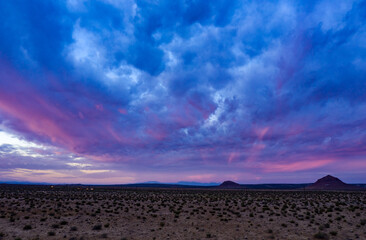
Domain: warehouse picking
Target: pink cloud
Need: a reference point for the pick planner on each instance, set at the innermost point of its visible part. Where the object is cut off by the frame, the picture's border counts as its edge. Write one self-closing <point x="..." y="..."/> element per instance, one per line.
<point x="294" y="166"/>
<point x="232" y="156"/>
<point x="99" y="107"/>
<point x="201" y="177"/>
<point x="122" y="111"/>
<point x="261" y="132"/>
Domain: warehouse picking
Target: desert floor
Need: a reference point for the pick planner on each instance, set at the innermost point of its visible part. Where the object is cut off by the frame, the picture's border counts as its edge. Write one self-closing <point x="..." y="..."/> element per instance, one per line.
<point x="45" y="212"/>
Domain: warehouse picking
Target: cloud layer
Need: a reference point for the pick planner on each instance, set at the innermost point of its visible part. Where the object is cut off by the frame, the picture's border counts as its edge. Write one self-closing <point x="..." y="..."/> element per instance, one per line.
<point x="129" y="91"/>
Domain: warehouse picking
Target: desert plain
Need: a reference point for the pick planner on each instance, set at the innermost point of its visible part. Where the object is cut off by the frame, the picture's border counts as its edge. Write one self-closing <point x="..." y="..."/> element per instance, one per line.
<point x="80" y="212"/>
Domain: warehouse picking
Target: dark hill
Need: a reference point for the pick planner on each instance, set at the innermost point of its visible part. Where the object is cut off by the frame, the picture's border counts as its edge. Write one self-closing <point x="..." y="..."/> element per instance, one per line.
<point x="331" y="183"/>
<point x="230" y="185"/>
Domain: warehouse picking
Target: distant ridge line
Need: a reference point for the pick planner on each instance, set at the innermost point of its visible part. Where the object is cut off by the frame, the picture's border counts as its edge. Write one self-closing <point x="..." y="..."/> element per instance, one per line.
<point x="326" y="183"/>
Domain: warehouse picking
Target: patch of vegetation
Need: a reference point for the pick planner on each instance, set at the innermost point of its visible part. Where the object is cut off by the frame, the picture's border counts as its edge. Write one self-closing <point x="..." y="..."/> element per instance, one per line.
<point x="97" y="227"/>
<point x="321" y="235"/>
<point x="27" y="227"/>
<point x="333" y="233"/>
<point x="73" y="229"/>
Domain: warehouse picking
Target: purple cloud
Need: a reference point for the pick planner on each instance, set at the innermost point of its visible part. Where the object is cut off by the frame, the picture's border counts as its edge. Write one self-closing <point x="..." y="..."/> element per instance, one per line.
<point x="195" y="90"/>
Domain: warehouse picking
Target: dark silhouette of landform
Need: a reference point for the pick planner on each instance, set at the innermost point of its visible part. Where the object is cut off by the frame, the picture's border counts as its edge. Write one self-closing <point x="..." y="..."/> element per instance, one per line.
<point x="326" y="183"/>
<point x="332" y="183"/>
<point x="230" y="185"/>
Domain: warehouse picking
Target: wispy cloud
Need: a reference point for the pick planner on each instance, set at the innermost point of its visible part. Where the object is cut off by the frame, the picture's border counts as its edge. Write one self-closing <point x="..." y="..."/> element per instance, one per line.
<point x="204" y="89"/>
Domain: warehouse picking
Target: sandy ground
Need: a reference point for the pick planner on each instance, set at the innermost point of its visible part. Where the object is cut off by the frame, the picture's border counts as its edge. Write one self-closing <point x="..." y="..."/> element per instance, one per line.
<point x="45" y="213"/>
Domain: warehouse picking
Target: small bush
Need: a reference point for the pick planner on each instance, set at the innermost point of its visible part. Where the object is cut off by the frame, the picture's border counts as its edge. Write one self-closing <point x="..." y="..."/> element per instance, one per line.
<point x="27" y="227"/>
<point x="55" y="226"/>
<point x="333" y="233"/>
<point x="321" y="235"/>
<point x="97" y="227"/>
<point x="64" y="223"/>
<point x="363" y="222"/>
<point x="73" y="229"/>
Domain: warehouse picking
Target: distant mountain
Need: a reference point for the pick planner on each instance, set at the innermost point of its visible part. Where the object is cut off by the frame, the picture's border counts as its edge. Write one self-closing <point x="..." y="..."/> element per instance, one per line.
<point x="24" y="183"/>
<point x="197" y="183"/>
<point x="157" y="185"/>
<point x="331" y="183"/>
<point x="326" y="183"/>
<point x="230" y="185"/>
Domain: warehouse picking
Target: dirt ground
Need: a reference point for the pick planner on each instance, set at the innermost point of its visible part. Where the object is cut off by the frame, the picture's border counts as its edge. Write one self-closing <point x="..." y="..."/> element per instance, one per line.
<point x="45" y="212"/>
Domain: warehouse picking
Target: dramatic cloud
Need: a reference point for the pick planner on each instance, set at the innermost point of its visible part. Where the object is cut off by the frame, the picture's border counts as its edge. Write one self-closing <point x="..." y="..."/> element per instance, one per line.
<point x="128" y="91"/>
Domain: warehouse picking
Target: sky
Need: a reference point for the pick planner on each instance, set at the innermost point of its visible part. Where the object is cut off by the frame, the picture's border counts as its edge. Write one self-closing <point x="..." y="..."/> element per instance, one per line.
<point x="108" y="92"/>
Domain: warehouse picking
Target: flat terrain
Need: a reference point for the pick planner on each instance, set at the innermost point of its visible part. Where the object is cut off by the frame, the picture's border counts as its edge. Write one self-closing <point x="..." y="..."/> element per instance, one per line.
<point x="45" y="212"/>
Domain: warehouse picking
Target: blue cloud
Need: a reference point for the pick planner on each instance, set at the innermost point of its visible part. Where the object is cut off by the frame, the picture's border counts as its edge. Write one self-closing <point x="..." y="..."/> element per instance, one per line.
<point x="203" y="81"/>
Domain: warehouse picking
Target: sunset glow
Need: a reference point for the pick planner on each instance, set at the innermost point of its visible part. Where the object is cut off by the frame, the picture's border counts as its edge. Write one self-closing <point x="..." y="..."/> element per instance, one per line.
<point x="109" y="92"/>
